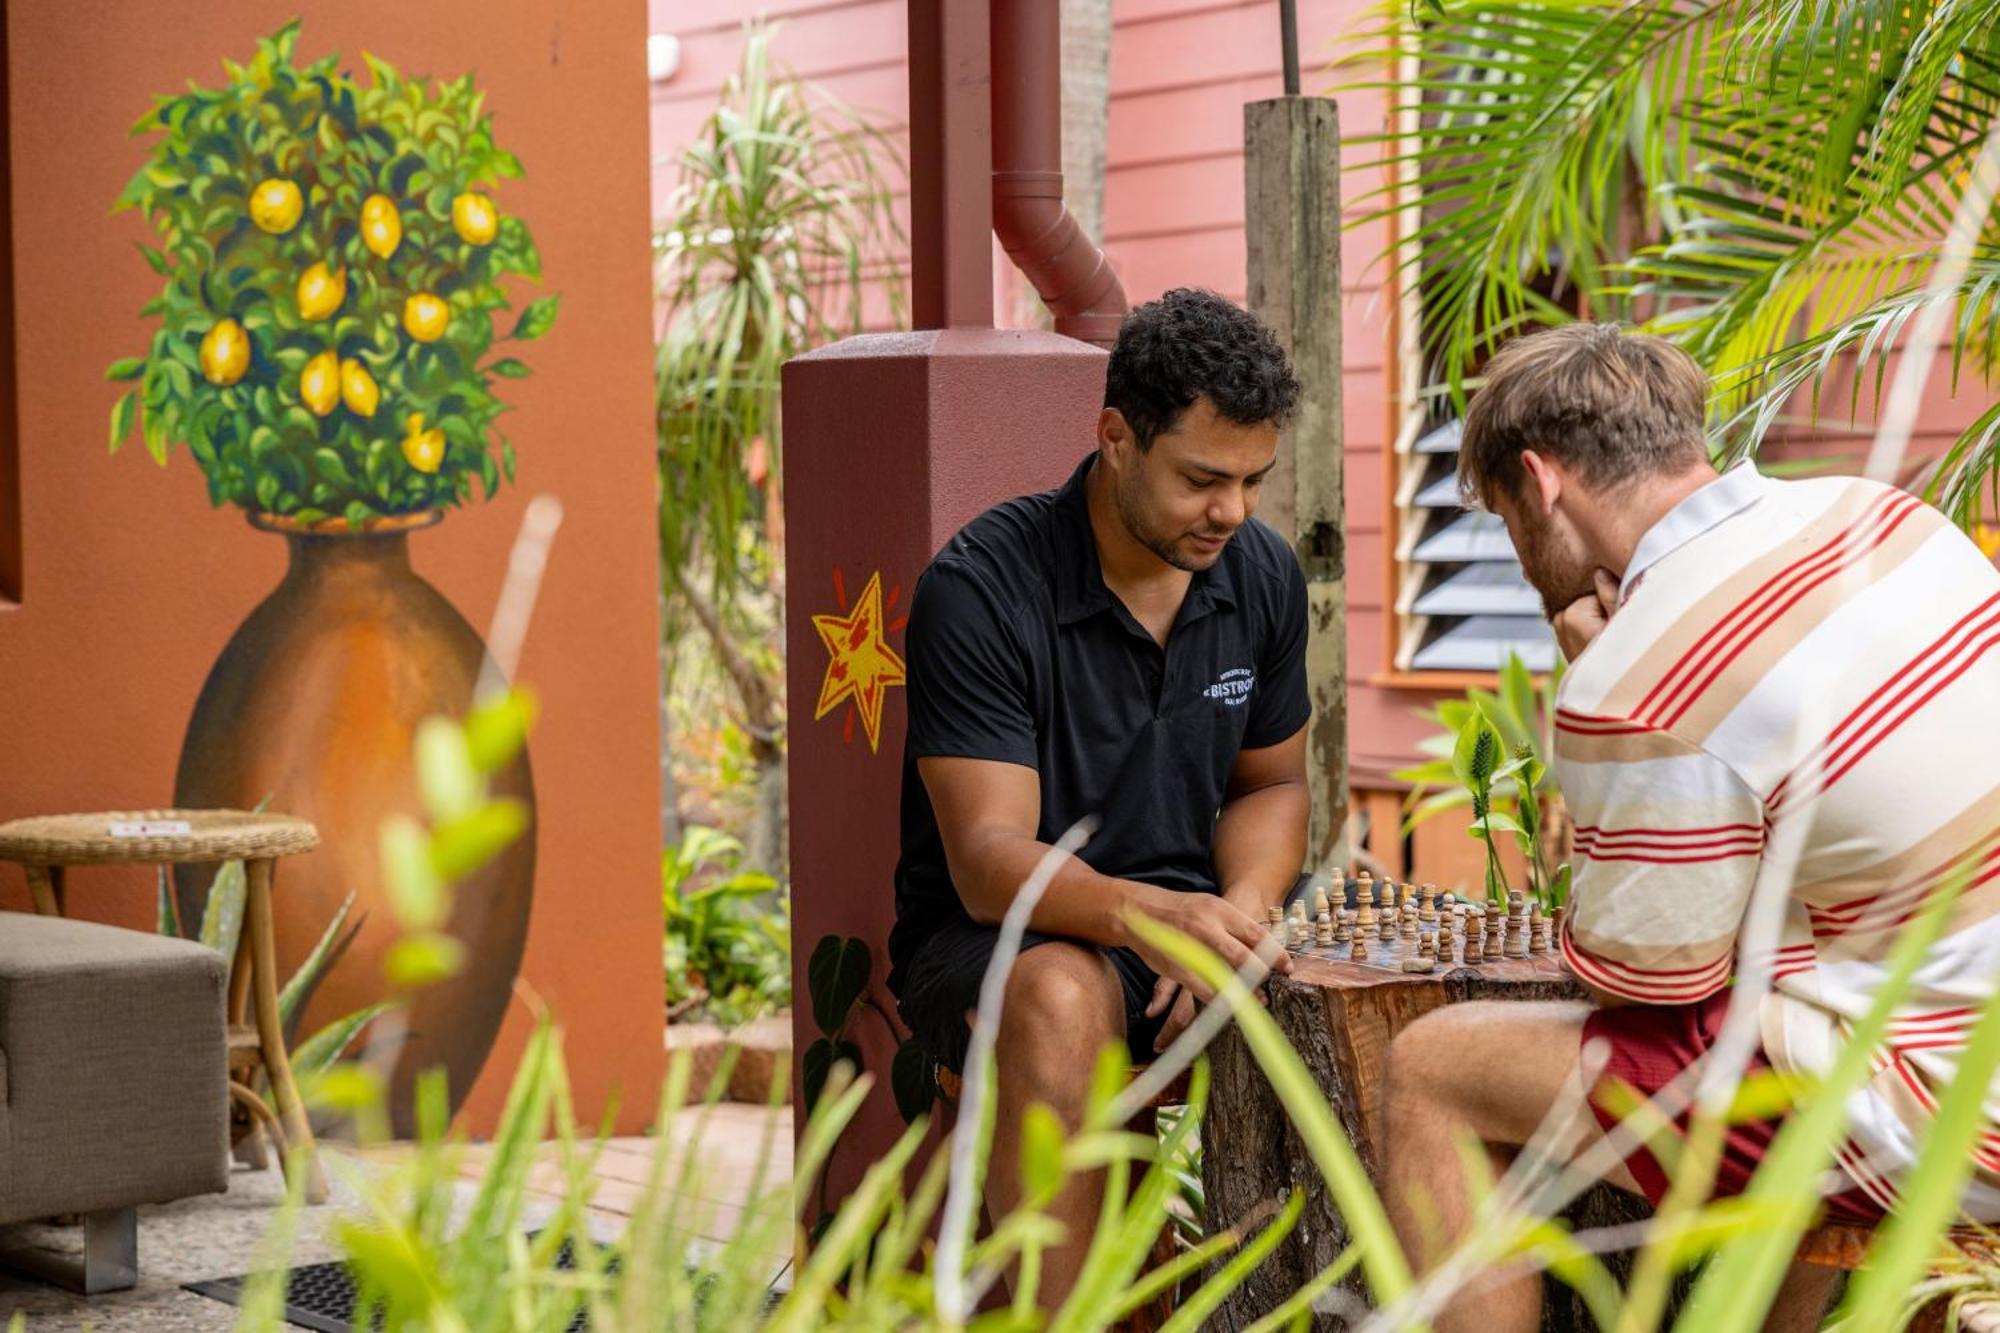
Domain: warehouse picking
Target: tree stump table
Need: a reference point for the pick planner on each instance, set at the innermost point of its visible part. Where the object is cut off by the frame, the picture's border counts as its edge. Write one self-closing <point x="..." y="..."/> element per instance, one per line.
<point x="1340" y="1017"/>
<point x="47" y="847"/>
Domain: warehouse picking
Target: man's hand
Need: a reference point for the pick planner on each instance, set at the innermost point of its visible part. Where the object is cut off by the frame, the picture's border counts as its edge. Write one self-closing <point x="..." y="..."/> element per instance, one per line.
<point x="1172" y="993"/>
<point x="1577" y="624"/>
<point x="1217" y="925"/>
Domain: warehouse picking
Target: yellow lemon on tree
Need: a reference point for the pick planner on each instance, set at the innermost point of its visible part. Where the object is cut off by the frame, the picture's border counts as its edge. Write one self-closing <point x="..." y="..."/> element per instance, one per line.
<point x="319" y="383"/>
<point x="381" y="225"/>
<point x="275" y="205"/>
<point x="475" y="217"/>
<point x="357" y="388"/>
<point x="423" y="449"/>
<point x="425" y="315"/>
<point x="321" y="290"/>
<point x="225" y="353"/>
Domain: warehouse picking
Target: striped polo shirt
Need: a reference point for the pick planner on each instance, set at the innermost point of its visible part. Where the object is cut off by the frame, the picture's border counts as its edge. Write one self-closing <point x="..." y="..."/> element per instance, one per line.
<point x="1807" y="663"/>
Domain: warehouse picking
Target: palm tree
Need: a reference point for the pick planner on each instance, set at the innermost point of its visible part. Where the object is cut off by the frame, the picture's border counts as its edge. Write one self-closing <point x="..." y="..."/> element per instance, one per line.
<point x="1768" y="182"/>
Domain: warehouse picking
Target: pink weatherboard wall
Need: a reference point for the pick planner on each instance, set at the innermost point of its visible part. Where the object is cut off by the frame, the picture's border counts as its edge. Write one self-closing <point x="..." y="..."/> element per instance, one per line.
<point x="132" y="583"/>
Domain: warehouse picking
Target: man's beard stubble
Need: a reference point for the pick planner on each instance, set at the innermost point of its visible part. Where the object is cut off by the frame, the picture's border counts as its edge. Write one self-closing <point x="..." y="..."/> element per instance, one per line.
<point x="1559" y="575"/>
<point x="1142" y="531"/>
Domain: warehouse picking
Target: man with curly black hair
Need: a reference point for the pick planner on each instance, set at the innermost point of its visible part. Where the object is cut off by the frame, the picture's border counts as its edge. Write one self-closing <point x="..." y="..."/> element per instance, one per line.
<point x="1129" y="647"/>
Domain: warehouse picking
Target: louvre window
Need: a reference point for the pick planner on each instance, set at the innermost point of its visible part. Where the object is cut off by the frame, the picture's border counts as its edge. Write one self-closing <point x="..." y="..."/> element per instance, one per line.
<point x="1461" y="601"/>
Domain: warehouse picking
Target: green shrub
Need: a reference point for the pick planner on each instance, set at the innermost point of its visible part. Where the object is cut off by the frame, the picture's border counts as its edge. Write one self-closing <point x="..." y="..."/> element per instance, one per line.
<point x="728" y="930"/>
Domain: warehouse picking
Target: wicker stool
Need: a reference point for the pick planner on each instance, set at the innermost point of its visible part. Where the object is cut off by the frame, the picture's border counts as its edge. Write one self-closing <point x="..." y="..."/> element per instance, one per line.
<point x="47" y="846"/>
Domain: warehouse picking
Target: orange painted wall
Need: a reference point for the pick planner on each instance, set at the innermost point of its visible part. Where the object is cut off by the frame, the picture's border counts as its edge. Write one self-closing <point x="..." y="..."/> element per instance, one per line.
<point x="132" y="583"/>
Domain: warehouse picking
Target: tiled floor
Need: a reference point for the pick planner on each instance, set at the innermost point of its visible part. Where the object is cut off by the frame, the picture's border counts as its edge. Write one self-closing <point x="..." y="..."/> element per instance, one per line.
<point x="217" y="1236"/>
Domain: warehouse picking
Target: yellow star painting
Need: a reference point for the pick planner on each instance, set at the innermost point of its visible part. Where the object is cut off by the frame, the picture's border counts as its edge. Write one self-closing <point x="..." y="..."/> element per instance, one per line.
<point x="863" y="666"/>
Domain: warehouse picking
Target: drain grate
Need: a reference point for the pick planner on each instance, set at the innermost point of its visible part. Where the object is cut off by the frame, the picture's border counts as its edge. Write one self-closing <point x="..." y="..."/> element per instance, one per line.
<point x="321" y="1296"/>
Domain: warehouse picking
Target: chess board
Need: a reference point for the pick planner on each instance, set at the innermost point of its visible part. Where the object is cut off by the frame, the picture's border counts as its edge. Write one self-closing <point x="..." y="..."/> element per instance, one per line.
<point x="1413" y="929"/>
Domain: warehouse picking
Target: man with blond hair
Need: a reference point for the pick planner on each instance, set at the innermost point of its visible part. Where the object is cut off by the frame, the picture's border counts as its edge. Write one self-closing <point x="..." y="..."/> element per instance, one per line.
<point x="1754" y="664"/>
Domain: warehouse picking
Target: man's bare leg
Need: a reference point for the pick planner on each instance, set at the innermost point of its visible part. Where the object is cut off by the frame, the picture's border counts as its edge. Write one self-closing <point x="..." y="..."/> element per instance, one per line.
<point x="1492" y="1070"/>
<point x="1064" y="1002"/>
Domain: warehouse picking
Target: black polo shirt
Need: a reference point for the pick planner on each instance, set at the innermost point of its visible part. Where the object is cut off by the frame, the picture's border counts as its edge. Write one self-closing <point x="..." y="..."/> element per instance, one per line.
<point x="1017" y="651"/>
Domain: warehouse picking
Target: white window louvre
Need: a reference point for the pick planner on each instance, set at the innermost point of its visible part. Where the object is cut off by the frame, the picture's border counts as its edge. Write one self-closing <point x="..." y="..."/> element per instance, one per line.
<point x="1490" y="588"/>
<point x="1474" y="536"/>
<point x="1462" y="603"/>
<point x="1481" y="643"/>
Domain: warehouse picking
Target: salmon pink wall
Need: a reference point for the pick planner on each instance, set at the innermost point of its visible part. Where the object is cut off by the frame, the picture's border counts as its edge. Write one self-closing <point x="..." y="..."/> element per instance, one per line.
<point x="132" y="583"/>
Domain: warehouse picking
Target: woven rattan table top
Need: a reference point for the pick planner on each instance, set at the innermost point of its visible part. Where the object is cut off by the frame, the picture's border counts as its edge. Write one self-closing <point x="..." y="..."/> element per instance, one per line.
<point x="213" y="835"/>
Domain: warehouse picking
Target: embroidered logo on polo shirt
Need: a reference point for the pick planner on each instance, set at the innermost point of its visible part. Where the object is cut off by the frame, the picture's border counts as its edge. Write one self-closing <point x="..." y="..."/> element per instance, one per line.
<point x="1232" y="687"/>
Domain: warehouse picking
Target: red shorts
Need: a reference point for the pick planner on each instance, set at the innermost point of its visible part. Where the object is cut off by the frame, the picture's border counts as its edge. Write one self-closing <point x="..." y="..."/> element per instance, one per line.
<point x="1650" y="1046"/>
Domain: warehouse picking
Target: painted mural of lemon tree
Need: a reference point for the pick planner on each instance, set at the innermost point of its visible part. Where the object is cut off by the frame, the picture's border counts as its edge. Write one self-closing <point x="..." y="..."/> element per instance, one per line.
<point x="333" y="254"/>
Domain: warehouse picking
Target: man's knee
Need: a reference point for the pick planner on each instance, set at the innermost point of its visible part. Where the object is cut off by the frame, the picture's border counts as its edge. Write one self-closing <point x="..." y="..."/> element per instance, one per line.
<point x="1059" y="994"/>
<point x="1421" y="1058"/>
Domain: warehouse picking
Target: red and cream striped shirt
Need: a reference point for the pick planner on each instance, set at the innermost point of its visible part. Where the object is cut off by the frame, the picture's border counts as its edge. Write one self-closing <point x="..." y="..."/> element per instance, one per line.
<point x="1813" y="651"/>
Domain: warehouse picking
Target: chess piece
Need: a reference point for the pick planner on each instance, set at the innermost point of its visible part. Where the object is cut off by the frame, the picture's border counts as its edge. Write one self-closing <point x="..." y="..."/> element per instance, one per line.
<point x="1427" y="911"/>
<point x="1412" y="923"/>
<point x="1517" y="935"/>
<point x="1320" y="904"/>
<point x="1360" y="954"/>
<point x="1475" y="935"/>
<point x="1325" y="928"/>
<point x="1364" y="898"/>
<point x="1427" y="946"/>
<point x="1556" y="925"/>
<point x="1420" y="964"/>
<point x="1344" y="932"/>
<point x="1386" y="910"/>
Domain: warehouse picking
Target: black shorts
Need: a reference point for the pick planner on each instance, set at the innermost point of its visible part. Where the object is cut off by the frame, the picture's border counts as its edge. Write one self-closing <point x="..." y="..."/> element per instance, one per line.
<point x="941" y="983"/>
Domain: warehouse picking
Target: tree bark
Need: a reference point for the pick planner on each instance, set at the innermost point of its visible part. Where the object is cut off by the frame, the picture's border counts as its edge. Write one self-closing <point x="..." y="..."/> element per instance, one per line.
<point x="1340" y="1018"/>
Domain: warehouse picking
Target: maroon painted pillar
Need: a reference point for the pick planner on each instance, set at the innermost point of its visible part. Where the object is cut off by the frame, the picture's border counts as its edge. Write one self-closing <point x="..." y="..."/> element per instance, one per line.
<point x="892" y="442"/>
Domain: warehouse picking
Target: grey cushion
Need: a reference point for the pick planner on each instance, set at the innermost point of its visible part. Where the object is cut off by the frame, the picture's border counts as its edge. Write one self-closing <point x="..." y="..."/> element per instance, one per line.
<point x="113" y="1045"/>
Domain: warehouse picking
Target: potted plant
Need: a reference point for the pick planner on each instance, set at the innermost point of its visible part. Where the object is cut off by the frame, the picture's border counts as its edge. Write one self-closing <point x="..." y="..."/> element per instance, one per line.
<point x="333" y="254"/>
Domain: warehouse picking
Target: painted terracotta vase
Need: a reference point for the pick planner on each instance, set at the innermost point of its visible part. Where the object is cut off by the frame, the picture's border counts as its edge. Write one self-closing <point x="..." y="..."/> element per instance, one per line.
<point x="314" y="704"/>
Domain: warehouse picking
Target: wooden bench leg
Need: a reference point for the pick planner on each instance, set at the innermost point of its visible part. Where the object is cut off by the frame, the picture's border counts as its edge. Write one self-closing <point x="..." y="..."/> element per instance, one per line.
<point x="43" y="882"/>
<point x="270" y="1026"/>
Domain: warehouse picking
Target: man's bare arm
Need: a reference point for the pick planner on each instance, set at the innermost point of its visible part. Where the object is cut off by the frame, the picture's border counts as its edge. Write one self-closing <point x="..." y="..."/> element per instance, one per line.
<point x="1260" y="836"/>
<point x="988" y="813"/>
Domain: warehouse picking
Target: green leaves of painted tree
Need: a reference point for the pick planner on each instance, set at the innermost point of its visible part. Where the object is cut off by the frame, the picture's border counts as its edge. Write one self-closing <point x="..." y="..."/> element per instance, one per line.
<point x="389" y="186"/>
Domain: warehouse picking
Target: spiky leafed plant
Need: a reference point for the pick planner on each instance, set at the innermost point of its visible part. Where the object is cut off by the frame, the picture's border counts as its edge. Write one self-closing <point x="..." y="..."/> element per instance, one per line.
<point x="780" y="231"/>
<point x="780" y="227"/>
<point x="1767" y="182"/>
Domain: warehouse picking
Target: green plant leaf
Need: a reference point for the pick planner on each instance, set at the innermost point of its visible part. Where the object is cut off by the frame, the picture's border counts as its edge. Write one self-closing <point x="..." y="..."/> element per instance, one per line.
<point x="461" y="846"/>
<point x="817" y="1064"/>
<point x="126" y="368"/>
<point x="416" y="893"/>
<point x="423" y="959"/>
<point x="511" y="368"/>
<point x="165" y="920"/>
<point x="836" y="976"/>
<point x="446" y="776"/>
<point x="124" y="413"/>
<point x="316" y="1054"/>
<point x="1041" y="1154"/>
<point x="537" y="318"/>
<point x="497" y="730"/>
<point x="332" y="943"/>
<point x="222" y="914"/>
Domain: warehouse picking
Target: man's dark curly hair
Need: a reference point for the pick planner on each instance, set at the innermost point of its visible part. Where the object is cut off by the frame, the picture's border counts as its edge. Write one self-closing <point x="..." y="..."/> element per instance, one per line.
<point x="1193" y="344"/>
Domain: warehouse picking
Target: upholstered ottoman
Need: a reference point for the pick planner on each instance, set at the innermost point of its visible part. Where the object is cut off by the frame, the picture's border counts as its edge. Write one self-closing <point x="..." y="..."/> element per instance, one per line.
<point x="113" y="1089"/>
